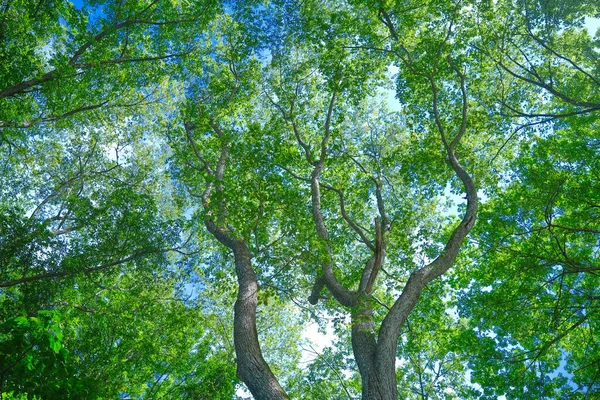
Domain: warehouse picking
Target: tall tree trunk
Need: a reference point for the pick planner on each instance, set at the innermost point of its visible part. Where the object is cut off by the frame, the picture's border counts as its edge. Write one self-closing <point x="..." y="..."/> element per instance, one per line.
<point x="364" y="347"/>
<point x="252" y="369"/>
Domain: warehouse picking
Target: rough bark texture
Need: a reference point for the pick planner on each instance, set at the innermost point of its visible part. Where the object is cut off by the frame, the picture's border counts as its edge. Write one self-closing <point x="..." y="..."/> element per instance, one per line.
<point x="376" y="356"/>
<point x="364" y="345"/>
<point x="252" y="369"/>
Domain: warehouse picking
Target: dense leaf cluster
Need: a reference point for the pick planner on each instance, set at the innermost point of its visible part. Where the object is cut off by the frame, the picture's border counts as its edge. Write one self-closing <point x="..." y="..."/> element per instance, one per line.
<point x="186" y="186"/>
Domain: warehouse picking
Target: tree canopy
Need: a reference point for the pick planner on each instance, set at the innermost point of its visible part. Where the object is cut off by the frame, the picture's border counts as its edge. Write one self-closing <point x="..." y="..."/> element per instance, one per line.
<point x="187" y="186"/>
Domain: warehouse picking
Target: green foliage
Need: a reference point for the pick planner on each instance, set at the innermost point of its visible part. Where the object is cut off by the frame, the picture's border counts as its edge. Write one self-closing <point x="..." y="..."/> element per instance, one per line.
<point x="539" y="246"/>
<point x="115" y="117"/>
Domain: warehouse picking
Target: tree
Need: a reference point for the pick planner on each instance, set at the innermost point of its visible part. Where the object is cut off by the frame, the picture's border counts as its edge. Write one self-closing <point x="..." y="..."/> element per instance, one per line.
<point x="535" y="312"/>
<point x="92" y="250"/>
<point x="309" y="105"/>
<point x="167" y="158"/>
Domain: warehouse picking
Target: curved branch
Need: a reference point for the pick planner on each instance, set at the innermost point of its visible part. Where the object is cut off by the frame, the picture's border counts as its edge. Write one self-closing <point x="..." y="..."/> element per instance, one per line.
<point x="252" y="369"/>
<point x="465" y="105"/>
<point x="543" y="85"/>
<point x="378" y="256"/>
<point x="327" y="129"/>
<point x="60" y="274"/>
<point x="397" y="316"/>
<point x="51" y="75"/>
<point x="360" y="231"/>
<point x="341" y="294"/>
<point x="542" y="43"/>
<point x="315" y="293"/>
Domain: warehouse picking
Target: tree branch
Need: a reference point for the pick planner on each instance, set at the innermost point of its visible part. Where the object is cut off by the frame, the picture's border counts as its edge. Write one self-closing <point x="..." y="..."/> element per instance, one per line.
<point x="59" y="274"/>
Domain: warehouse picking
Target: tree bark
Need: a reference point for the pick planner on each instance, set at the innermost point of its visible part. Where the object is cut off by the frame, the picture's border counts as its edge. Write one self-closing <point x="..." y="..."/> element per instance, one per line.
<point x="364" y="346"/>
<point x="252" y="369"/>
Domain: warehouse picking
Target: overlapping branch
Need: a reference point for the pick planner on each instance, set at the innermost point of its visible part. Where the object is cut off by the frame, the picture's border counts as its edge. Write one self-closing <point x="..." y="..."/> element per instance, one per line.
<point x="252" y="369"/>
<point x="397" y="316"/>
<point x="140" y="18"/>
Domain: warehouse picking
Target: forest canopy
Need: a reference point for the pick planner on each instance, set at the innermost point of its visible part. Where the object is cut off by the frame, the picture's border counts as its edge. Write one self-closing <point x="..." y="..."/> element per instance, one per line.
<point x="188" y="188"/>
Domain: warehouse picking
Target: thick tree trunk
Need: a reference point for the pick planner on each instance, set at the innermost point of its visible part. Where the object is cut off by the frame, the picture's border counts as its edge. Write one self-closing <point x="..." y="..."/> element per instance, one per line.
<point x="378" y="370"/>
<point x="252" y="369"/>
<point x="364" y="346"/>
<point x="380" y="389"/>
